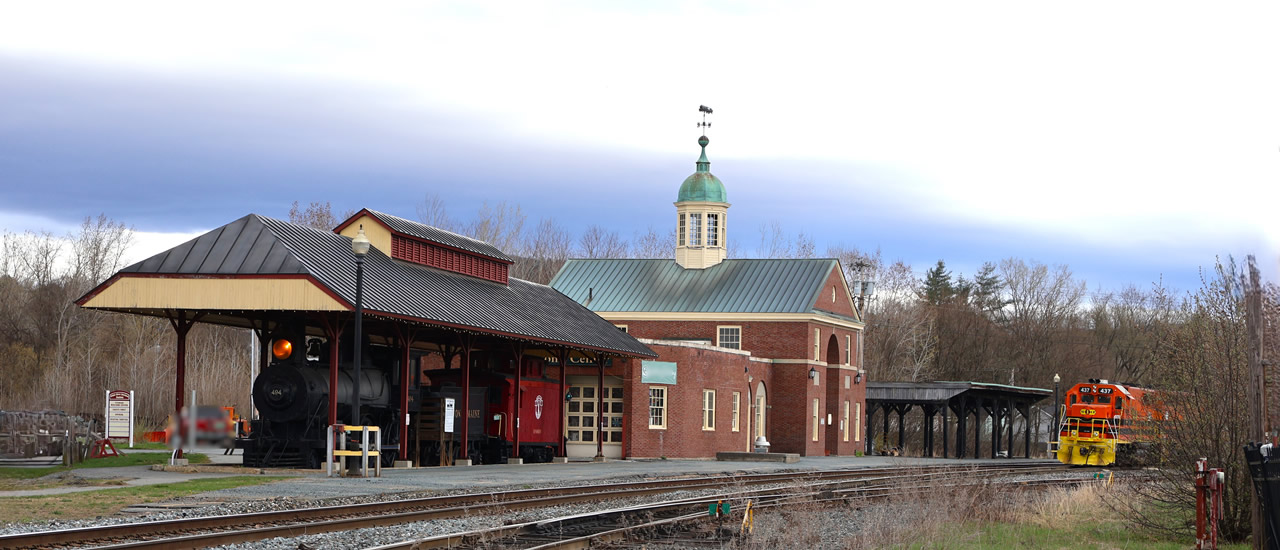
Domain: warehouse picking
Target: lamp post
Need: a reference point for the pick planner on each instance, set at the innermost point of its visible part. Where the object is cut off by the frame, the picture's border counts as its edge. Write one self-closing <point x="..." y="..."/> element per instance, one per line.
<point x="1057" y="403"/>
<point x="359" y="247"/>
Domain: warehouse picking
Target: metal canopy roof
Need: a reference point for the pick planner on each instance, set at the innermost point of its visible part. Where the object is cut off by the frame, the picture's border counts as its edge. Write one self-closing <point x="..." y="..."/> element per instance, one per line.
<point x="941" y="392"/>
<point x="258" y="247"/>
<point x="435" y="234"/>
<point x="732" y="286"/>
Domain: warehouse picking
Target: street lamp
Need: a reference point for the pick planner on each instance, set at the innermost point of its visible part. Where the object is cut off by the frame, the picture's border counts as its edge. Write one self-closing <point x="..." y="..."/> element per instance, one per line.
<point x="1057" y="402"/>
<point x="359" y="247"/>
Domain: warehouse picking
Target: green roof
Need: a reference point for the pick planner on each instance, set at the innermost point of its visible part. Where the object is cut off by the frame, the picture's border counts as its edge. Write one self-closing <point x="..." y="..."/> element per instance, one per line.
<point x="702" y="186"/>
<point x="731" y="286"/>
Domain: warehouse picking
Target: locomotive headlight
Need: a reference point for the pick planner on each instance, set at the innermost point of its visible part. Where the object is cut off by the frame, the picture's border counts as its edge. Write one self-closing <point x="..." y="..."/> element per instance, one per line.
<point x="282" y="349"/>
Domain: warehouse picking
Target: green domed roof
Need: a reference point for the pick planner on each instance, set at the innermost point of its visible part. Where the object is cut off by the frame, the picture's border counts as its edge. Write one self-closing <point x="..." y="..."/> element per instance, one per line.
<point x="702" y="186"/>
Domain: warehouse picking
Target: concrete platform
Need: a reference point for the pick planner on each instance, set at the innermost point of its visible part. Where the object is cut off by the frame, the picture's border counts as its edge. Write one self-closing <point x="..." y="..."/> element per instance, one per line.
<point x="742" y="456"/>
<point x="485" y="477"/>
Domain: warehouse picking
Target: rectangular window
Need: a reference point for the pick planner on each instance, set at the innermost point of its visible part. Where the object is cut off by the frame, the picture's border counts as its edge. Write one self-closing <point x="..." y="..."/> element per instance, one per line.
<point x="846" y="381"/>
<point x="713" y="230"/>
<point x="815" y="418"/>
<point x="695" y="229"/>
<point x="848" y="348"/>
<point x="622" y="328"/>
<point x="708" y="410"/>
<point x="817" y="343"/>
<point x="844" y="424"/>
<point x="657" y="408"/>
<point x="857" y="421"/>
<point x="729" y="337"/>
<point x="680" y="232"/>
<point x="737" y="408"/>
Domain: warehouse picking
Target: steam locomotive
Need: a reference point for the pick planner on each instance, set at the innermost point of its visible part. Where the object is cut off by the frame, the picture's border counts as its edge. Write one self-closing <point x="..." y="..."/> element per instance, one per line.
<point x="292" y="397"/>
<point x="1106" y="423"/>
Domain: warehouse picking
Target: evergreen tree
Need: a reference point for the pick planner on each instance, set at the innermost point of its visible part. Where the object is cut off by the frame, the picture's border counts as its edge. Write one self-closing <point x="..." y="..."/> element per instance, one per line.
<point x="938" y="288"/>
<point x="985" y="290"/>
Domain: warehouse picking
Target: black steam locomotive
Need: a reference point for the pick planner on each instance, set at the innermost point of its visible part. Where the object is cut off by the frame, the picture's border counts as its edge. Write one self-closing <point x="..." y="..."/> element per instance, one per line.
<point x="292" y="397"/>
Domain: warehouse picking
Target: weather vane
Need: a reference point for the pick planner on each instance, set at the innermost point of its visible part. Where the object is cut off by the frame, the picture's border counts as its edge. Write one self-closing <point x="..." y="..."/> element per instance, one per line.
<point x="705" y="111"/>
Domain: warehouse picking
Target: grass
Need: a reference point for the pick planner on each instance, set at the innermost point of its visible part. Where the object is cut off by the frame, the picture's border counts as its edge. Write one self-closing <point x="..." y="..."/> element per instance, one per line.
<point x="974" y="518"/>
<point x="105" y="502"/>
<point x="24" y="478"/>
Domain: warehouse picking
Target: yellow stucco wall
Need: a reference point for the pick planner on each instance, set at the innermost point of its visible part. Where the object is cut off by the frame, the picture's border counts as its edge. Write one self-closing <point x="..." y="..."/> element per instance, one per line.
<point x="379" y="236"/>
<point x="198" y="293"/>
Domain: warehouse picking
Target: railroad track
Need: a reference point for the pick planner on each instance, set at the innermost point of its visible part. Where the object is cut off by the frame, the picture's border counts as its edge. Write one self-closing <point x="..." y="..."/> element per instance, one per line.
<point x="674" y="521"/>
<point x="240" y="528"/>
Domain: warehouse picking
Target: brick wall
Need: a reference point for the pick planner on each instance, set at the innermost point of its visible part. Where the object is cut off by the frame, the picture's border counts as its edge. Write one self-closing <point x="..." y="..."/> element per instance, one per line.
<point x="699" y="368"/>
<point x="842" y="304"/>
<point x="775" y="340"/>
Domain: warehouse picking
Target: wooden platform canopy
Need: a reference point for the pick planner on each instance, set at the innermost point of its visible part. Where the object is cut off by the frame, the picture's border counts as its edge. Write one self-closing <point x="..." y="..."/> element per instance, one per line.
<point x="963" y="399"/>
<point x="262" y="274"/>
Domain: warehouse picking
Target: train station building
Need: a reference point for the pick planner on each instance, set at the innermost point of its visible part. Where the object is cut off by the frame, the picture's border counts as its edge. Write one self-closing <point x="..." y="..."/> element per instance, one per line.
<point x="680" y="357"/>
<point x="747" y="348"/>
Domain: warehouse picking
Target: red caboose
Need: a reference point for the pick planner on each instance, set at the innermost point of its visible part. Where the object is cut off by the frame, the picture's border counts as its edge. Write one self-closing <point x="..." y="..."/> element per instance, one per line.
<point x="538" y="435"/>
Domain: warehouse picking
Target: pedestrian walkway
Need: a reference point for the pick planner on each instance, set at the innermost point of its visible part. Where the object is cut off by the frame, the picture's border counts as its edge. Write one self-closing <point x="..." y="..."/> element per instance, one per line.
<point x="315" y="484"/>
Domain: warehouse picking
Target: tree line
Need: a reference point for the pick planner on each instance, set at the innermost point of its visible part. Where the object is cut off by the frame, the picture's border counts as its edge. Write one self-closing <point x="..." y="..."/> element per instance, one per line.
<point x="1014" y="321"/>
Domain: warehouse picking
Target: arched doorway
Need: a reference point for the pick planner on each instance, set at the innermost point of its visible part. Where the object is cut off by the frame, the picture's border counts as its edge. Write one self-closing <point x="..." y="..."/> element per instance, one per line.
<point x="833" y="350"/>
<point x="835" y="422"/>
<point x="761" y="405"/>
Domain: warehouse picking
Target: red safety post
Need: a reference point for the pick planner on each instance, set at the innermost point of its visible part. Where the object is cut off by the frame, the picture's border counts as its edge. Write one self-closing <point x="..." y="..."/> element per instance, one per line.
<point x="1210" y="483"/>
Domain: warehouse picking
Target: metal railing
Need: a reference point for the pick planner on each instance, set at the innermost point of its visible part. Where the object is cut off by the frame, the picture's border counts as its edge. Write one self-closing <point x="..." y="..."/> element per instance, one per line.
<point x="339" y="432"/>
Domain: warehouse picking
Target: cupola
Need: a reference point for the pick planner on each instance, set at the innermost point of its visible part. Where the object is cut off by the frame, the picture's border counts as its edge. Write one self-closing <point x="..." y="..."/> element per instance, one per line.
<point x="701" y="215"/>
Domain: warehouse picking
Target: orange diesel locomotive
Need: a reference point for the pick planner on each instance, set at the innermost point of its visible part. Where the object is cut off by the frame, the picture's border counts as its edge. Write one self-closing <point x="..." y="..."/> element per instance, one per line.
<point x="1104" y="423"/>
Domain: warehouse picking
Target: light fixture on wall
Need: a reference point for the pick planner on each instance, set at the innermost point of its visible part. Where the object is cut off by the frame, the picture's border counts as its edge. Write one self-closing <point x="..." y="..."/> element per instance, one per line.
<point x="857" y="378"/>
<point x="813" y="373"/>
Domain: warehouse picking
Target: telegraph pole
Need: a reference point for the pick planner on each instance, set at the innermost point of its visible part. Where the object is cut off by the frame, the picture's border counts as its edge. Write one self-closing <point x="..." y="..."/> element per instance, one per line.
<point x="1257" y="389"/>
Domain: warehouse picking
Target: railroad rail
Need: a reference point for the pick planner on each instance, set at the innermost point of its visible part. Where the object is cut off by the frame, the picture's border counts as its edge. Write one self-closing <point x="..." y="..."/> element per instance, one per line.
<point x="639" y="526"/>
<point x="240" y="528"/>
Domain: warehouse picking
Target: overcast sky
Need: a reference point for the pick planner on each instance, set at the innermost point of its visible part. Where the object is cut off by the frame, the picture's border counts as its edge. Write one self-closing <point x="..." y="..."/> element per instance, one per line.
<point x="1131" y="141"/>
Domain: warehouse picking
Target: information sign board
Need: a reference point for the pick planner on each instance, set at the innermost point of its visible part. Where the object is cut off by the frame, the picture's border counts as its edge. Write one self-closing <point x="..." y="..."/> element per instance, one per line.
<point x="448" y="414"/>
<point x="120" y="415"/>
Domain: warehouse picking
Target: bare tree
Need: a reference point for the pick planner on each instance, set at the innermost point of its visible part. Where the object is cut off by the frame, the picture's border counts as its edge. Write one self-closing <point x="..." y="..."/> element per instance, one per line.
<point x="545" y="253"/>
<point x="500" y="225"/>
<point x="776" y="243"/>
<point x="652" y="245"/>
<point x="1201" y="366"/>
<point x="597" y="242"/>
<point x="432" y="212"/>
<point x="316" y="214"/>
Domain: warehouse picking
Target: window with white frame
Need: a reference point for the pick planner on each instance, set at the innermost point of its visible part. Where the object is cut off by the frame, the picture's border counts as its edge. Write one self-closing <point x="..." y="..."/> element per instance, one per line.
<point x="657" y="407"/>
<point x="844" y="423"/>
<point x="817" y="343"/>
<point x="737" y="408"/>
<point x="729" y="337"/>
<point x="713" y="229"/>
<point x="709" y="410"/>
<point x="622" y="328"/>
<point x="857" y="421"/>
<point x="816" y="418"/>
<point x="680" y="232"/>
<point x="848" y="348"/>
<point x="846" y="381"/>
<point x="695" y="229"/>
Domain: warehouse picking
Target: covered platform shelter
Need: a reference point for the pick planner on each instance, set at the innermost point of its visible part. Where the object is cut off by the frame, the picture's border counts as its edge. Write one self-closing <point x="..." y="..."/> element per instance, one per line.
<point x="418" y="290"/>
<point x="964" y="400"/>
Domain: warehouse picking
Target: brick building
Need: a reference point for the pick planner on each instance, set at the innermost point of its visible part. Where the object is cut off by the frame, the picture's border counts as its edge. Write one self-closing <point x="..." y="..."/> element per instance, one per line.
<point x="746" y="347"/>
